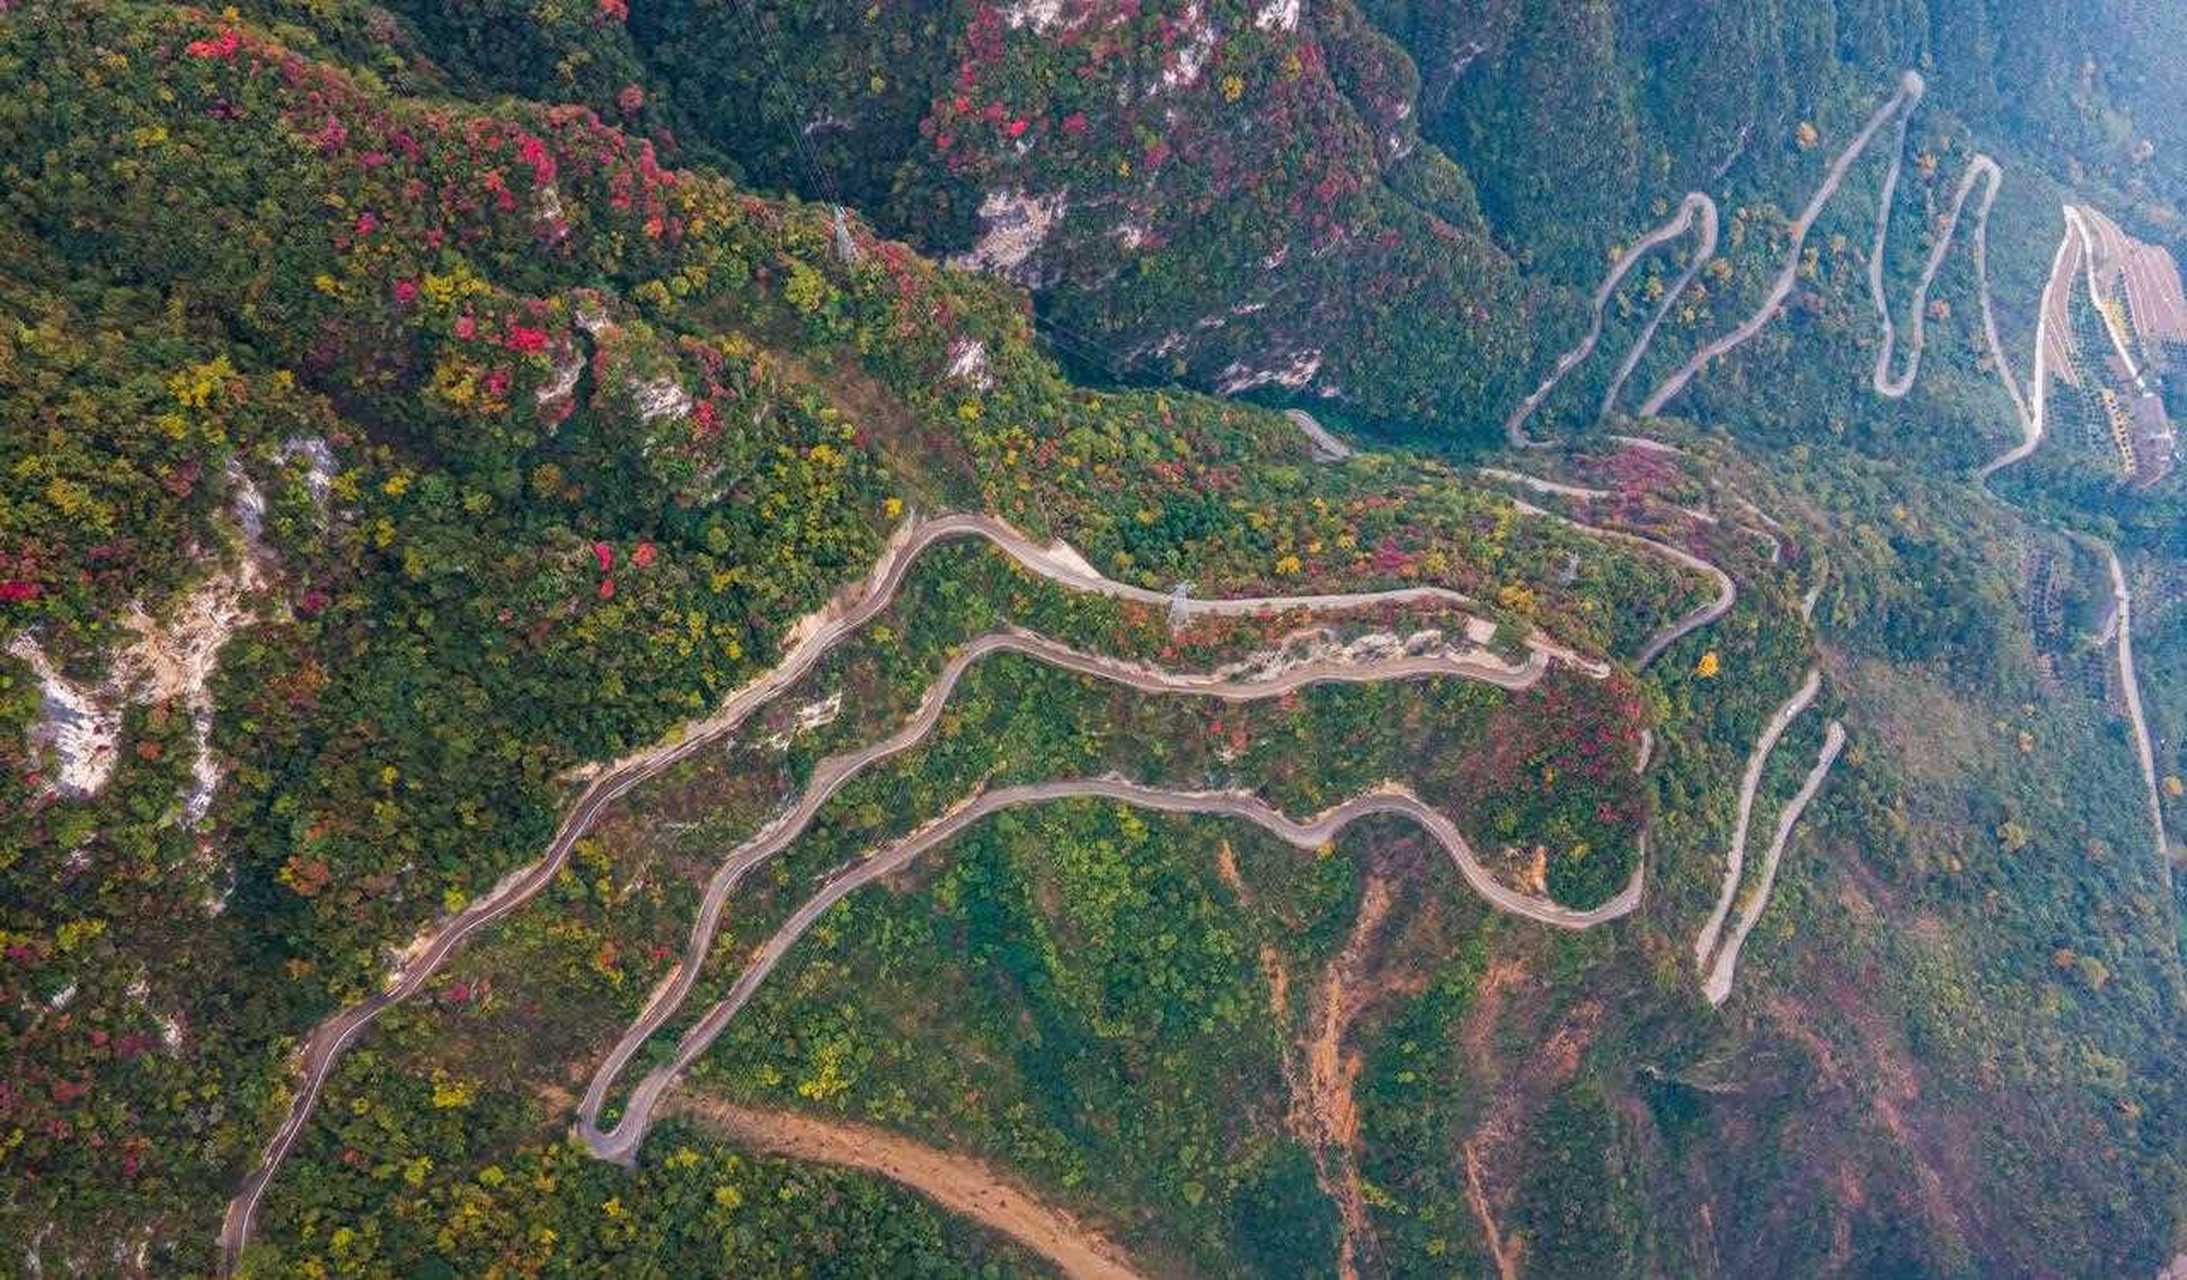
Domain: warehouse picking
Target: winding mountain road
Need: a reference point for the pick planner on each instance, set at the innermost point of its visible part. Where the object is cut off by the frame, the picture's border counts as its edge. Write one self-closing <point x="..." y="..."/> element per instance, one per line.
<point x="1323" y="445"/>
<point x="804" y="645"/>
<point x="621" y="1142"/>
<point x="2029" y="405"/>
<point x="1235" y="684"/>
<point x="1980" y="169"/>
<point x="1718" y="984"/>
<point x="2144" y="748"/>
<point x="1727" y="591"/>
<point x="1911" y="87"/>
<point x="2034" y="402"/>
<point x="1757" y="760"/>
<point x="2033" y="408"/>
<point x="1696" y="204"/>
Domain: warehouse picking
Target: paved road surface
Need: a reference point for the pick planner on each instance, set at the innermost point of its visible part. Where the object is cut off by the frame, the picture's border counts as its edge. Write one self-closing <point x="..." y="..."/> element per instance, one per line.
<point x="804" y="645"/>
<point x="1980" y="169"/>
<point x="1909" y="92"/>
<point x="621" y="1143"/>
<point x="1756" y="761"/>
<point x="832" y="774"/>
<point x="1718" y="984"/>
<point x="1696" y="204"/>
<point x="1727" y="591"/>
<point x="1324" y="446"/>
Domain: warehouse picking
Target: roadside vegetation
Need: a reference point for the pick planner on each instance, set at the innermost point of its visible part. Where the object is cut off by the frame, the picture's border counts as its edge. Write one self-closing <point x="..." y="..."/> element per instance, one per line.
<point x="480" y="350"/>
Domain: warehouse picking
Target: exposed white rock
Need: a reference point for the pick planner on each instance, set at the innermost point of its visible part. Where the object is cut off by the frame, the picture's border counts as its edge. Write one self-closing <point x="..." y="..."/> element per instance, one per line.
<point x="968" y="363"/>
<point x="1190" y="59"/>
<point x="661" y="397"/>
<point x="549" y="213"/>
<point x="1014" y="224"/>
<point x="591" y="316"/>
<point x="166" y="663"/>
<point x="1040" y="15"/>
<point x="1278" y="15"/>
<point x="319" y="465"/>
<point x="170" y="1025"/>
<point x="204" y="765"/>
<point x="1129" y="235"/>
<point x="250" y="513"/>
<point x="81" y="732"/>
<point x="813" y="715"/>
<point x="177" y="661"/>
<point x="565" y="377"/>
<point x="1300" y="371"/>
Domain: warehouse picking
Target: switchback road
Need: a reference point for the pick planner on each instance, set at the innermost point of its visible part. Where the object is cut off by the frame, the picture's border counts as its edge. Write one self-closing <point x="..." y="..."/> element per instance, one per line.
<point x="621" y="1142"/>
<point x="1757" y="760"/>
<point x="1237" y="684"/>
<point x="803" y="646"/>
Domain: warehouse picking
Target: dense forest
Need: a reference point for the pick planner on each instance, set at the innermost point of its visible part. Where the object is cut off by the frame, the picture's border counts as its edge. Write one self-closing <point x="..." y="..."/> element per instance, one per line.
<point x="1326" y="201"/>
<point x="407" y="410"/>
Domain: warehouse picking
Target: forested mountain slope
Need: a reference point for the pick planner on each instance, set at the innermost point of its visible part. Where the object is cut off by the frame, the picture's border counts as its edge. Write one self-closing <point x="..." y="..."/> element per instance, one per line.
<point x="555" y="580"/>
<point x="1389" y="207"/>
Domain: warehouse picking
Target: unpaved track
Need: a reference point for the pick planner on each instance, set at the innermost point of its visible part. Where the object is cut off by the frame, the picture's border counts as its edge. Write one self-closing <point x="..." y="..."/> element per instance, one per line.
<point x="621" y="1143"/>
<point x="957" y="1183"/>
<point x="1718" y="984"/>
<point x="804" y="646"/>
<point x="833" y="773"/>
<point x="1757" y="760"/>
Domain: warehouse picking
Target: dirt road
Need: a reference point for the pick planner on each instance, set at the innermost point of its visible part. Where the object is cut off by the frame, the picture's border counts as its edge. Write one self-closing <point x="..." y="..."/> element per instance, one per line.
<point x="957" y="1183"/>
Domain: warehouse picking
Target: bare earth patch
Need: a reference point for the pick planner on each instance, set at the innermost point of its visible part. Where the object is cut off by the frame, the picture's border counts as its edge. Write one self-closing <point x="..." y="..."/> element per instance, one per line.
<point x="957" y="1183"/>
<point x="1324" y="1114"/>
